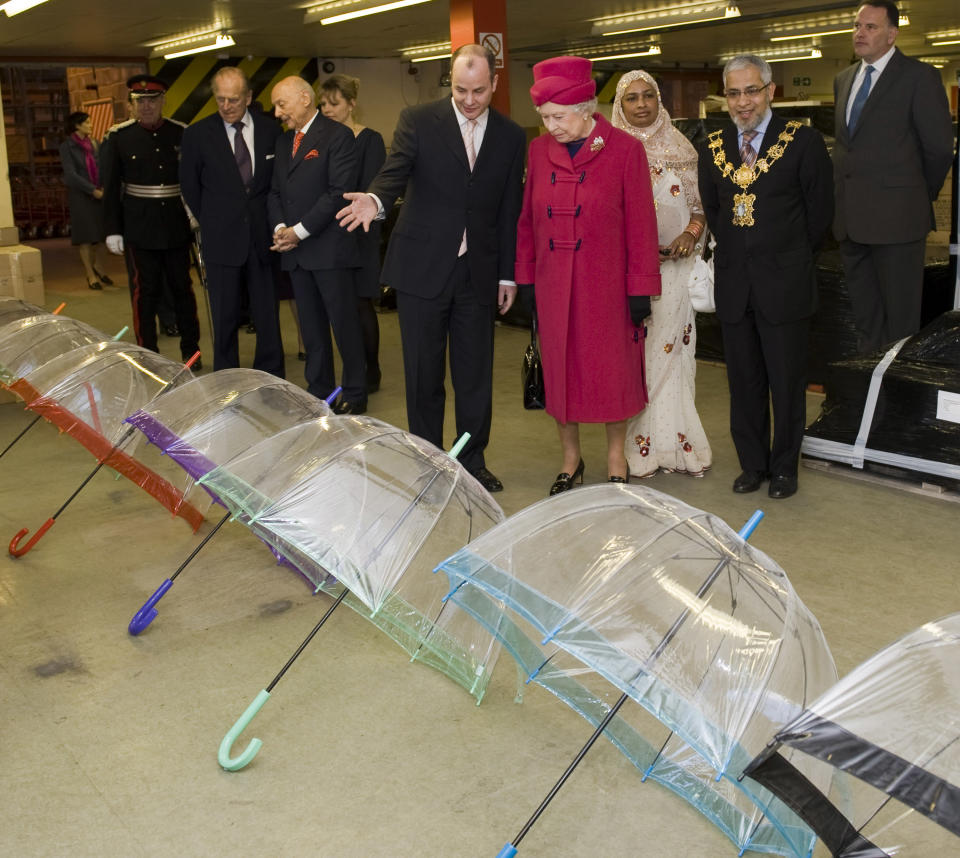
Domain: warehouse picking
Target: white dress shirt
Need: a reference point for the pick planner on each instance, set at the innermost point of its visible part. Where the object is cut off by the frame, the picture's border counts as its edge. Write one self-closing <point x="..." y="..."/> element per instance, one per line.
<point x="878" y="68"/>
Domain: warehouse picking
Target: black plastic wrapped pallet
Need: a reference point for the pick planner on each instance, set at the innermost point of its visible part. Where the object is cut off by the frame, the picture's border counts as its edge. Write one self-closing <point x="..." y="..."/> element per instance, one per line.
<point x="905" y="420"/>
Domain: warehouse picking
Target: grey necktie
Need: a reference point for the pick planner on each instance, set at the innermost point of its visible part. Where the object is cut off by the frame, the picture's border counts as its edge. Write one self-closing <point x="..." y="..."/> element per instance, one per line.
<point x="860" y="98"/>
<point x="242" y="154"/>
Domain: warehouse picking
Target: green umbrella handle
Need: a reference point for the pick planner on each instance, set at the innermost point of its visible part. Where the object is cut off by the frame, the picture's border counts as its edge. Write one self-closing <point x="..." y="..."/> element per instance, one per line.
<point x="234" y="764"/>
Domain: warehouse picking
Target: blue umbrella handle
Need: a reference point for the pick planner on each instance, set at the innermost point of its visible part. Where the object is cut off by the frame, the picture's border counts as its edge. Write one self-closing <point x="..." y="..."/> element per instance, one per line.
<point x="333" y="396"/>
<point x="508" y="851"/>
<point x="234" y="764"/>
<point x="745" y="532"/>
<point x="147" y="614"/>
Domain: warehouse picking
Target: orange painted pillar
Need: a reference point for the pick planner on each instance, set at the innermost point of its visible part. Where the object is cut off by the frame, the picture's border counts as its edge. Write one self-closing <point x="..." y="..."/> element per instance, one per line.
<point x="484" y="22"/>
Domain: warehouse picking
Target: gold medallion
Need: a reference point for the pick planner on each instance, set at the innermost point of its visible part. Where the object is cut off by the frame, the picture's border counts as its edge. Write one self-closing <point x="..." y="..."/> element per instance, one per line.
<point x="743" y="209"/>
<point x="743" y="176"/>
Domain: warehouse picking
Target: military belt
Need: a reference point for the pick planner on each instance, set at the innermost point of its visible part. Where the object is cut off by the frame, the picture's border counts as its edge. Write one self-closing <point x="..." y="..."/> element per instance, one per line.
<point x="151" y="192"/>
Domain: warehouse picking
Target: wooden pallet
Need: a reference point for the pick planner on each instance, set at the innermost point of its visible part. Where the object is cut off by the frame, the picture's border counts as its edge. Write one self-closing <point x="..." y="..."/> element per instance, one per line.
<point x="886" y="476"/>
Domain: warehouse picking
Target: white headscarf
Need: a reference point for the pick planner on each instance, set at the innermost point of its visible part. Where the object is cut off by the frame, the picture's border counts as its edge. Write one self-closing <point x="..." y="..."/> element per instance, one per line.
<point x="665" y="145"/>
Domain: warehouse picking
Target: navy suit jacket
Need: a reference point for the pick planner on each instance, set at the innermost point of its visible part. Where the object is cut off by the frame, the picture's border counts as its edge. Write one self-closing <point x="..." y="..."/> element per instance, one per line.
<point x="233" y="220"/>
<point x="428" y="166"/>
<point x="308" y="188"/>
<point x="890" y="169"/>
<point x="770" y="265"/>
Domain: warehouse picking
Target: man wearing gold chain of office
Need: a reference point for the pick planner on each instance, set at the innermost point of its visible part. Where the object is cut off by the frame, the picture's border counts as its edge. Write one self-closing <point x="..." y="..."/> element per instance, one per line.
<point x="767" y="190"/>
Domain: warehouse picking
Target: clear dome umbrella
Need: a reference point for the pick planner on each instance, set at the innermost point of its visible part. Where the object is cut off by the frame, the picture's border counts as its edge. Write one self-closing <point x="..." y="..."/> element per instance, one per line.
<point x="87" y="393"/>
<point x="891" y="730"/>
<point x="654" y="620"/>
<point x="365" y="511"/>
<point x="205" y="423"/>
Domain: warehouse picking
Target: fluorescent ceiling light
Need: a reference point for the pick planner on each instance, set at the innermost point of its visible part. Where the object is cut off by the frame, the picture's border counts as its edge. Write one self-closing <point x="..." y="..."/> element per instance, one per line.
<point x="948" y="42"/>
<point x="904" y="21"/>
<point x="811" y="54"/>
<point x="846" y="32"/>
<point x="370" y="10"/>
<point x="15" y="7"/>
<point x="427" y="52"/>
<point x="223" y="40"/>
<point x="643" y="20"/>
<point x="649" y="52"/>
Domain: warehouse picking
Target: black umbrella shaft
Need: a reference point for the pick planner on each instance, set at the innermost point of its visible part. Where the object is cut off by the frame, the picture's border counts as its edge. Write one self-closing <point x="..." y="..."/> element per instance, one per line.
<point x="576" y="761"/>
<point x="307" y="639"/>
<point x="24" y="432"/>
<point x="196" y="550"/>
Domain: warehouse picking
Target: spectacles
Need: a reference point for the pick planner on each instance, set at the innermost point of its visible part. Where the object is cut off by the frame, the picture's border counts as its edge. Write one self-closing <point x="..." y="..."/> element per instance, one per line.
<point x="749" y="92"/>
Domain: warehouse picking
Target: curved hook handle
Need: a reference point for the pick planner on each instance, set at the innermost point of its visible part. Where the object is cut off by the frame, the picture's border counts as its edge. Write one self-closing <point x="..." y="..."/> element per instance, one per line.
<point x="147" y="614"/>
<point x="234" y="764"/>
<point x="15" y="542"/>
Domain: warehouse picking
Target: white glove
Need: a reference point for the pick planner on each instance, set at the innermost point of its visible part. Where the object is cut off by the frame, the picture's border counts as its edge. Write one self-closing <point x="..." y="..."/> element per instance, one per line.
<point x="115" y="244"/>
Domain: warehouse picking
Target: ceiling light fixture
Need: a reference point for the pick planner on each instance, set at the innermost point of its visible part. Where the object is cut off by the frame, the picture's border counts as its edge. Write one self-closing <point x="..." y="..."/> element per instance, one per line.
<point x="653" y="50"/>
<point x="809" y="54"/>
<point x="360" y="13"/>
<point x="663" y="17"/>
<point x="846" y="32"/>
<point x="15" y="7"/>
<point x="425" y="53"/>
<point x="780" y="55"/>
<point x="196" y="43"/>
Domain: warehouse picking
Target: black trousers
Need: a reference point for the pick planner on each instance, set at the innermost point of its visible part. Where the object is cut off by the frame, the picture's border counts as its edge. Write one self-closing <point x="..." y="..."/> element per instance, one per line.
<point x="227" y="286"/>
<point x="426" y="325"/>
<point x="151" y="268"/>
<point x="326" y="299"/>
<point x="885" y="285"/>
<point x="767" y="363"/>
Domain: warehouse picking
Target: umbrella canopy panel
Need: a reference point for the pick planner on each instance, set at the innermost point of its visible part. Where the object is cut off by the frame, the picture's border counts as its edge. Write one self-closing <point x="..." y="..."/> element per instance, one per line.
<point x="892" y="727"/>
<point x="212" y="418"/>
<point x="29" y="342"/>
<point x="377" y="508"/>
<point x="12" y="309"/>
<point x="621" y="589"/>
<point x="88" y="392"/>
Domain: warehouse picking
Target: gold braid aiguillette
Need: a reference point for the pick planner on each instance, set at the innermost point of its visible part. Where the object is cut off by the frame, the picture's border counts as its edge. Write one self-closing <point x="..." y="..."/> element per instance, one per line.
<point x="744" y="176"/>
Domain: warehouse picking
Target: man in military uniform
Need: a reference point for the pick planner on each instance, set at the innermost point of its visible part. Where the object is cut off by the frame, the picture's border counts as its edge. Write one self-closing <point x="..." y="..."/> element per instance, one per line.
<point x="144" y="214"/>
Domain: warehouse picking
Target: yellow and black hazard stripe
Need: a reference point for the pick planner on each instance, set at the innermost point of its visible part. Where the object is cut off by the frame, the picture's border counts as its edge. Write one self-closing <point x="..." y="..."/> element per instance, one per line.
<point x="188" y="78"/>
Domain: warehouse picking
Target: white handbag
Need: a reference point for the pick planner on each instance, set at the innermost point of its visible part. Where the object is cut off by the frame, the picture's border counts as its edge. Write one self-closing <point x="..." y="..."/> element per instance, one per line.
<point x="701" y="282"/>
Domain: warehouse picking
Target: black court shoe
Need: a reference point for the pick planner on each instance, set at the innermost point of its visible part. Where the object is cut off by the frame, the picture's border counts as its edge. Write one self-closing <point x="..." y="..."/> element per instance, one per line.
<point x="625" y="479"/>
<point x="564" y="481"/>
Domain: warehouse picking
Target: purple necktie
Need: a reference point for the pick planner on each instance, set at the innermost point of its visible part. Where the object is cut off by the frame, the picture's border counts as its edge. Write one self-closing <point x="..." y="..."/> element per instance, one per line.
<point x="747" y="153"/>
<point x="242" y="154"/>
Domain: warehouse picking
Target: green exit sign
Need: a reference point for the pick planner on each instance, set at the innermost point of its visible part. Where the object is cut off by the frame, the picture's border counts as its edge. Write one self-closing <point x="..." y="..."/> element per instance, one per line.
<point x="801" y="81"/>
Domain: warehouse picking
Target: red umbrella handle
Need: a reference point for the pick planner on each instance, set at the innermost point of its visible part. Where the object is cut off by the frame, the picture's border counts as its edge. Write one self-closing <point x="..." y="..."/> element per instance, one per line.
<point x="19" y="552"/>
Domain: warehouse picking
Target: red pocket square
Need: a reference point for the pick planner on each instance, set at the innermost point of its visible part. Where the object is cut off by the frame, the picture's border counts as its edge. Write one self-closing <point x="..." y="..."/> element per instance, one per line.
<point x="313" y="153"/>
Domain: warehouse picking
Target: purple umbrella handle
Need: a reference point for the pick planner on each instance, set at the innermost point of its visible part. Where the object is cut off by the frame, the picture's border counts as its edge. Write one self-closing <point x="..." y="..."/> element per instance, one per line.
<point x="147" y="614"/>
<point x="333" y="396"/>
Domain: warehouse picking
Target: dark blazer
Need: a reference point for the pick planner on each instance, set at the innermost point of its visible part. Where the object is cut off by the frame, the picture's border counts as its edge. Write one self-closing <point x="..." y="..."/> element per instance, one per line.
<point x="231" y="218"/>
<point x="309" y="189"/>
<point x="428" y="166"/>
<point x="770" y="264"/>
<point x="888" y="172"/>
<point x="86" y="211"/>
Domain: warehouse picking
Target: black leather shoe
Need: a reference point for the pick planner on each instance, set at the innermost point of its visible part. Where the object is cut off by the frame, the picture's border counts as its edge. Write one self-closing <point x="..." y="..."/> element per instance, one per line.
<point x="106" y="281"/>
<point x="749" y="481"/>
<point x="94" y="284"/>
<point x="616" y="479"/>
<point x="171" y="330"/>
<point x="345" y="406"/>
<point x="564" y="481"/>
<point x="782" y="486"/>
<point x="487" y="480"/>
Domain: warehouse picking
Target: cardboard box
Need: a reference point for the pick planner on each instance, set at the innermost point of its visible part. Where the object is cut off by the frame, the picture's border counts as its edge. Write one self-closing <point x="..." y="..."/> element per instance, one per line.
<point x="9" y="235"/>
<point x="21" y="273"/>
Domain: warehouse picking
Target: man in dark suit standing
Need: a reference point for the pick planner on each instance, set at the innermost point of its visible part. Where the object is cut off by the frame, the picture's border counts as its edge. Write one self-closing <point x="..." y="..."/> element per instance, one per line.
<point x="226" y="167"/>
<point x="767" y="193"/>
<point x="458" y="165"/>
<point x="894" y="145"/>
<point x="316" y="162"/>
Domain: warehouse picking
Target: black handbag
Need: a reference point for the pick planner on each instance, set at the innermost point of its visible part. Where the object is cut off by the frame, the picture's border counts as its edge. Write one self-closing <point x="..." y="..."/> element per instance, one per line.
<point x="531" y="372"/>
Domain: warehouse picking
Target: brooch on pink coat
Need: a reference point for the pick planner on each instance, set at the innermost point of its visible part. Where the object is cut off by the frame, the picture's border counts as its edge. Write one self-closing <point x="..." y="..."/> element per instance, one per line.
<point x="596" y="144"/>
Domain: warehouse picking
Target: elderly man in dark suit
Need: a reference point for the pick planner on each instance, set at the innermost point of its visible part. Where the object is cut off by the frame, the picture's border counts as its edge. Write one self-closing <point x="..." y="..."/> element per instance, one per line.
<point x="894" y="145"/>
<point x="226" y="167"/>
<point x="458" y="165"/>
<point x="767" y="193"/>
<point x="316" y="162"/>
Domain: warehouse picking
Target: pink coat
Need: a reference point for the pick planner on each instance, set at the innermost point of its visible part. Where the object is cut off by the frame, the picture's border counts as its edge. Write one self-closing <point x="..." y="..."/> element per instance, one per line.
<point x="587" y="238"/>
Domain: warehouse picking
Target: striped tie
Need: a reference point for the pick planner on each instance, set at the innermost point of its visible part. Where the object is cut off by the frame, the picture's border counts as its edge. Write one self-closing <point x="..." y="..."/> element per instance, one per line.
<point x="747" y="153"/>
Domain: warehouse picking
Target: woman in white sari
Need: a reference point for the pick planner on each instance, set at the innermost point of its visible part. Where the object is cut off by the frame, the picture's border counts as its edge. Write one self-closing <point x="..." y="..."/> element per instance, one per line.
<point x="667" y="435"/>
